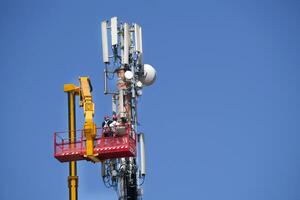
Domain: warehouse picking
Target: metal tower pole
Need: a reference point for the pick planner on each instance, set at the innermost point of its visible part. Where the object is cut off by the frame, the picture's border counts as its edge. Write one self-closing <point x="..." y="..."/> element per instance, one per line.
<point x="132" y="76"/>
<point x="127" y="182"/>
<point x="72" y="178"/>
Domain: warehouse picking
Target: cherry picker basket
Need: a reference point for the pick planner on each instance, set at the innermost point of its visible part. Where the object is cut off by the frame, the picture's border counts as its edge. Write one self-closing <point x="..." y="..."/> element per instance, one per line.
<point x="105" y="147"/>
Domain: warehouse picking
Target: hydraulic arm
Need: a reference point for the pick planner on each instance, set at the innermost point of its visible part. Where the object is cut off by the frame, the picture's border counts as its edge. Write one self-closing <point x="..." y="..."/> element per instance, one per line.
<point x="87" y="103"/>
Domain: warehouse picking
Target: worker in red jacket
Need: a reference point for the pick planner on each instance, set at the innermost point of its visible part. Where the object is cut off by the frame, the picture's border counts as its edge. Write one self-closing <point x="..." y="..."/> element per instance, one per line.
<point x="106" y="127"/>
<point x="113" y="125"/>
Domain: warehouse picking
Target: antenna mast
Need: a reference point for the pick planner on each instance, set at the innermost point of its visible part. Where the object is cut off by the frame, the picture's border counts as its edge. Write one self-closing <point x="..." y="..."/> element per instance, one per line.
<point x="125" y="60"/>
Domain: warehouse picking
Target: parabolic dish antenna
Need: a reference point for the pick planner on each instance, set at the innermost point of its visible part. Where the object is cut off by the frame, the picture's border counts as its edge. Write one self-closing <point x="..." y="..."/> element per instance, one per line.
<point x="149" y="76"/>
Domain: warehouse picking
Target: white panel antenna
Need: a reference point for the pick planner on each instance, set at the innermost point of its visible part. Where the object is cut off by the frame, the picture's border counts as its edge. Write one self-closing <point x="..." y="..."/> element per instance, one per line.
<point x="114" y="30"/>
<point x="137" y="38"/>
<point x="140" y="40"/>
<point x="104" y="42"/>
<point x="127" y="42"/>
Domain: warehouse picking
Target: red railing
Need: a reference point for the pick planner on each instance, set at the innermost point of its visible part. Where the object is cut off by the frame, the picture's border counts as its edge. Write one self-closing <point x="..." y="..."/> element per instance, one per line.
<point x="63" y="142"/>
<point x="104" y="147"/>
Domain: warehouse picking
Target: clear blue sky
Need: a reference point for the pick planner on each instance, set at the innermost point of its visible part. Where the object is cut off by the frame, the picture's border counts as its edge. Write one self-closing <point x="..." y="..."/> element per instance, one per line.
<point x="221" y="122"/>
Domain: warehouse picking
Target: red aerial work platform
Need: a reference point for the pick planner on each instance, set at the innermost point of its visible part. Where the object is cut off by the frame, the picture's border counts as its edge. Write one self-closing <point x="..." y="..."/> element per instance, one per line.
<point x="104" y="147"/>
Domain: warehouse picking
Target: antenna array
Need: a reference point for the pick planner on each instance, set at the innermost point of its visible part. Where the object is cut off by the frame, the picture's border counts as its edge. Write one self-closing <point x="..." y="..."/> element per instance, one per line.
<point x="126" y="42"/>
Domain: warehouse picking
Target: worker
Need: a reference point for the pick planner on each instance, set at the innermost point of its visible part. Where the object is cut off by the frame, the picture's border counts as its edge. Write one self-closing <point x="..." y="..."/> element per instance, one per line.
<point x="113" y="125"/>
<point x="106" y="127"/>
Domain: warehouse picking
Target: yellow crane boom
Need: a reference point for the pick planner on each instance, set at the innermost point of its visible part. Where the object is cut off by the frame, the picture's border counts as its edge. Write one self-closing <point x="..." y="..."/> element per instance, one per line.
<point x="87" y="103"/>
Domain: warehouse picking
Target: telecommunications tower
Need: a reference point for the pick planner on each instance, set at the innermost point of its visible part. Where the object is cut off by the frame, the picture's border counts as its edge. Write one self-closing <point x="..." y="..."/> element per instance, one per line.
<point x="117" y="144"/>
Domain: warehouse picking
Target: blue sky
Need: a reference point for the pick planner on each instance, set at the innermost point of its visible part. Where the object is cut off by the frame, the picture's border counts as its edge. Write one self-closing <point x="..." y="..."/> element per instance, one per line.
<point x="221" y="121"/>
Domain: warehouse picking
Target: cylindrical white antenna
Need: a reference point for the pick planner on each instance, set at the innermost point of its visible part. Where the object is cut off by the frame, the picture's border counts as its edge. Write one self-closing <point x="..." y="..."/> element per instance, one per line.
<point x="141" y="40"/>
<point x="137" y="38"/>
<point x="143" y="155"/>
<point x="105" y="80"/>
<point x="114" y="30"/>
<point x="125" y="57"/>
<point x="104" y="42"/>
<point x="121" y="104"/>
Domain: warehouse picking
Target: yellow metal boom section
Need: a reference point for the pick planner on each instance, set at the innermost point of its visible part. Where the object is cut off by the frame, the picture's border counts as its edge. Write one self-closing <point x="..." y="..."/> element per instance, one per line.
<point x="72" y="91"/>
<point x="87" y="103"/>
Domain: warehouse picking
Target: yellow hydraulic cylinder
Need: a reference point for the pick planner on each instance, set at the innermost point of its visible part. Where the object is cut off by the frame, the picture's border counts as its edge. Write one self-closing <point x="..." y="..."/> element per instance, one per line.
<point x="73" y="178"/>
<point x="88" y="107"/>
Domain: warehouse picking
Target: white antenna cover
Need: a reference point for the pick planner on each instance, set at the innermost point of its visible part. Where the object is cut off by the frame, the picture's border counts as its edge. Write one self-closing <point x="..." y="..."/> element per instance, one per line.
<point x="128" y="75"/>
<point x="125" y="57"/>
<point x="141" y="40"/>
<point x="139" y="84"/>
<point x="104" y="42"/>
<point x="114" y="30"/>
<point x="149" y="75"/>
<point x="137" y="38"/>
